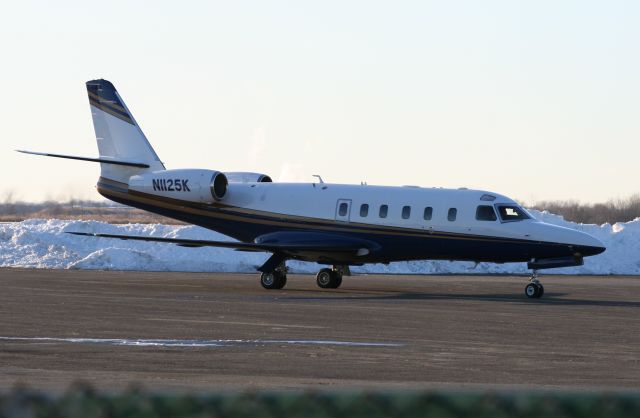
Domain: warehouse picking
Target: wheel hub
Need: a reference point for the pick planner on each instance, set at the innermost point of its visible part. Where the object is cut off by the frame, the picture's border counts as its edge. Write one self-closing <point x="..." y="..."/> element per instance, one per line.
<point x="325" y="278"/>
<point x="268" y="279"/>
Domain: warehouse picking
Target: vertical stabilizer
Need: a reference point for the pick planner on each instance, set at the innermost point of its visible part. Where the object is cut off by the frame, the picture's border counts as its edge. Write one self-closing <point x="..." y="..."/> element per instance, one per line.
<point x="117" y="133"/>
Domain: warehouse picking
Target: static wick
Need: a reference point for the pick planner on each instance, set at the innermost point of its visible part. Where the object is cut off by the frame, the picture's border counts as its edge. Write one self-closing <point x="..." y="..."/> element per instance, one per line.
<point x="319" y="178"/>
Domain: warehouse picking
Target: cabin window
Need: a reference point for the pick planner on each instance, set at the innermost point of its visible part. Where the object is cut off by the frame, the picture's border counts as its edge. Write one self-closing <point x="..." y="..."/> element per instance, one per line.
<point x="364" y="210"/>
<point x="512" y="213"/>
<point x="406" y="212"/>
<point x="343" y="209"/>
<point x="428" y="213"/>
<point x="384" y="209"/>
<point x="486" y="213"/>
<point x="452" y="214"/>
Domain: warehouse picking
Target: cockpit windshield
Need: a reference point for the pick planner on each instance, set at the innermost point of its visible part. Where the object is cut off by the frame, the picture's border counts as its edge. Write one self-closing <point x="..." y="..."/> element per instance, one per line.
<point x="512" y="213"/>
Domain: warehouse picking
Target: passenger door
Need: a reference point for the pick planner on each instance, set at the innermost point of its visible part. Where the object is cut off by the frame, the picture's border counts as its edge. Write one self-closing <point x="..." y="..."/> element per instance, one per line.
<point x="343" y="210"/>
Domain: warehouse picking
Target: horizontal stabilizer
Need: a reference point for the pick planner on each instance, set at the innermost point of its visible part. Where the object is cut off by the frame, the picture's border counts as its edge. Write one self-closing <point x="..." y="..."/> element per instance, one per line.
<point x="104" y="160"/>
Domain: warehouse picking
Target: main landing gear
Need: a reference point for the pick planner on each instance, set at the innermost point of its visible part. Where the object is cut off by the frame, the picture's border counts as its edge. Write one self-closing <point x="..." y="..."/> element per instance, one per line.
<point x="332" y="278"/>
<point x="326" y="278"/>
<point x="534" y="290"/>
<point x="273" y="280"/>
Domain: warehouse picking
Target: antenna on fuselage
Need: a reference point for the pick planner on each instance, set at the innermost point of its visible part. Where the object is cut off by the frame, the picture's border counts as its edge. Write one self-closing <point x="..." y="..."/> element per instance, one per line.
<point x="319" y="178"/>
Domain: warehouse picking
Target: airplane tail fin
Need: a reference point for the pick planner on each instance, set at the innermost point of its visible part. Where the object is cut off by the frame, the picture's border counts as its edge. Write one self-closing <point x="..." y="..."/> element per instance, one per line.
<point x="118" y="135"/>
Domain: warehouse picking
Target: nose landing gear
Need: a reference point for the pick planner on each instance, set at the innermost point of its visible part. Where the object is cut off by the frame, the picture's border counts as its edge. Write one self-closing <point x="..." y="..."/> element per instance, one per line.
<point x="535" y="289"/>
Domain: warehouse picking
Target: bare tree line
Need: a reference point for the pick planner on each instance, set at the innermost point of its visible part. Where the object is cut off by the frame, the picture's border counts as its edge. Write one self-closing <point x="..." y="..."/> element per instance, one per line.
<point x="612" y="211"/>
<point x="12" y="210"/>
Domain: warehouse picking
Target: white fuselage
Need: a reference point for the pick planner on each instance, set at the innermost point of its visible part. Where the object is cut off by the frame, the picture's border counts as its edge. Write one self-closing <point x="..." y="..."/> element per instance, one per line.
<point x="322" y="200"/>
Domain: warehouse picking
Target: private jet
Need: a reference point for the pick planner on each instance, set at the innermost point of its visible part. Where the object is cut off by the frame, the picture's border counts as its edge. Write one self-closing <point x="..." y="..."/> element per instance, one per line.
<point x="330" y="224"/>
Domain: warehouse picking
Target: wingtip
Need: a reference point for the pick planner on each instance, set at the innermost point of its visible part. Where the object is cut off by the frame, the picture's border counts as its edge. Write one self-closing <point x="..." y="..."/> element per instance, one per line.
<point x="24" y="151"/>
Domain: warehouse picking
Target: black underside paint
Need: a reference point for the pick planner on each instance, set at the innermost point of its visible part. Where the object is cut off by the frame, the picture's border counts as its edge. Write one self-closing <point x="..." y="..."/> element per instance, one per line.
<point x="389" y="248"/>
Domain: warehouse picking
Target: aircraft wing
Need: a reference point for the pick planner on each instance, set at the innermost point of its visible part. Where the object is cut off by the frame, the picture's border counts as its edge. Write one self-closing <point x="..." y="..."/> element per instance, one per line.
<point x="179" y="241"/>
<point x="286" y="243"/>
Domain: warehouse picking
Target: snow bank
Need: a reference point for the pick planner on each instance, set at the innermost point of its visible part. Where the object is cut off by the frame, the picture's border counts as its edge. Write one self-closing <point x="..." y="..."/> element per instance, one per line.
<point x="44" y="244"/>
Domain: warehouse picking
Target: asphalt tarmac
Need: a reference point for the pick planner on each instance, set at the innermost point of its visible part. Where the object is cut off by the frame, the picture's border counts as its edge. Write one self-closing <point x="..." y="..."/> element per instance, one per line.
<point x="186" y="331"/>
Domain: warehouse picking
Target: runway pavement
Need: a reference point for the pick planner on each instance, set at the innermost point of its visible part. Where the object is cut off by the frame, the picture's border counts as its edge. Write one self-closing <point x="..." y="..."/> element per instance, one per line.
<point x="191" y="331"/>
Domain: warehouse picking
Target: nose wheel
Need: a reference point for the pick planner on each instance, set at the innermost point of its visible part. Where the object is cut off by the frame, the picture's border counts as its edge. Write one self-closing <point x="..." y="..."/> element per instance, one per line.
<point x="535" y="289"/>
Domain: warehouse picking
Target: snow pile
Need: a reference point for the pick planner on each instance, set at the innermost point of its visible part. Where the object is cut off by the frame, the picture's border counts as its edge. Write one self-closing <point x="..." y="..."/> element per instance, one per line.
<point x="44" y="244"/>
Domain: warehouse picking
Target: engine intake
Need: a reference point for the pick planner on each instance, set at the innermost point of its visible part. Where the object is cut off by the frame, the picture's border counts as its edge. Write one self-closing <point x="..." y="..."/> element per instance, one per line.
<point x="219" y="183"/>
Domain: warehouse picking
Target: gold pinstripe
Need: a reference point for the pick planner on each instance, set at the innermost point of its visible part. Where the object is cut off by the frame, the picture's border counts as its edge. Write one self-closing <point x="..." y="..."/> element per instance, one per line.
<point x="113" y="113"/>
<point x="104" y="102"/>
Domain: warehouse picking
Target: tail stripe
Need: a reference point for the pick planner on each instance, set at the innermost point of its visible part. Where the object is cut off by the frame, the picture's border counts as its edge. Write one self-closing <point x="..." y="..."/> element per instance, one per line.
<point x="110" y="103"/>
<point x="112" y="111"/>
<point x="103" y="95"/>
<point x="123" y="148"/>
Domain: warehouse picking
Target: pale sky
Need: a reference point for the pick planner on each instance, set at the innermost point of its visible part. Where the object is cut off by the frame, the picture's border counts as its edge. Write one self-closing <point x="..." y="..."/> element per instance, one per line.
<point x="533" y="99"/>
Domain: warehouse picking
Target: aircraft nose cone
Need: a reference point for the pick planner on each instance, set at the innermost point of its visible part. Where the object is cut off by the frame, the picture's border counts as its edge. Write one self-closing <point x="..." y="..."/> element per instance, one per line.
<point x="589" y="245"/>
<point x="588" y="250"/>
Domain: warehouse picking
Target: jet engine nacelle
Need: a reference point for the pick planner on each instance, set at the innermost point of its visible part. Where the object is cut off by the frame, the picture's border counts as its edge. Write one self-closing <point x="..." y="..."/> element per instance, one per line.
<point x="194" y="185"/>
<point x="245" y="177"/>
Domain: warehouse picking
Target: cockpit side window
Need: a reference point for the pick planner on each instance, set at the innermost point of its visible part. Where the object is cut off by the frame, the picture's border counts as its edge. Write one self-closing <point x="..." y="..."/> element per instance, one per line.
<point x="486" y="213"/>
<point x="512" y="213"/>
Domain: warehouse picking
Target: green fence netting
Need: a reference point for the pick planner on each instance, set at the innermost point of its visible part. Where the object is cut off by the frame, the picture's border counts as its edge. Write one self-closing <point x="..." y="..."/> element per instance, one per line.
<point x="85" y="402"/>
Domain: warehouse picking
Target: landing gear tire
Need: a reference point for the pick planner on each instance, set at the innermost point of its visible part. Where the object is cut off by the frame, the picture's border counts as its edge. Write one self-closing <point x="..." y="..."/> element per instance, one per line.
<point x="534" y="290"/>
<point x="328" y="279"/>
<point x="339" y="282"/>
<point x="273" y="280"/>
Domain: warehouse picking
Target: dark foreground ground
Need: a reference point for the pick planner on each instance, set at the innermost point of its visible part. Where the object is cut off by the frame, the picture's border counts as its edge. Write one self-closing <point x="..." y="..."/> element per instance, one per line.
<point x="442" y="332"/>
